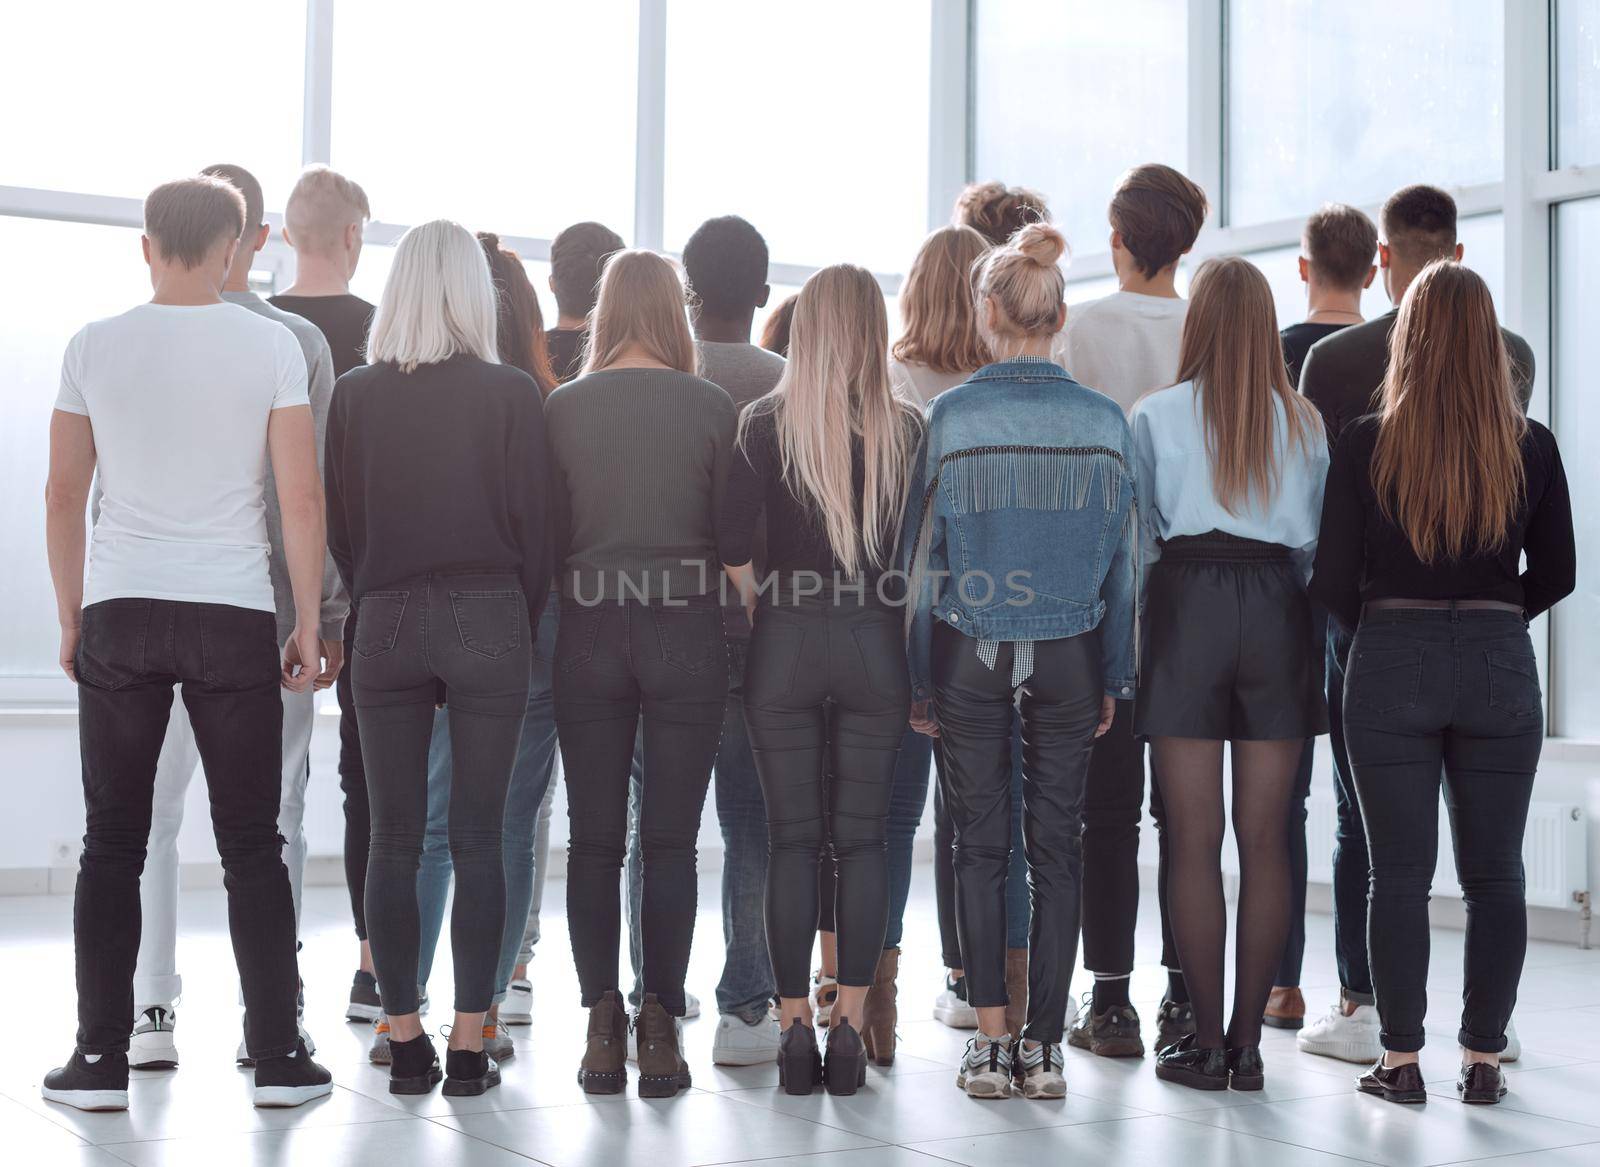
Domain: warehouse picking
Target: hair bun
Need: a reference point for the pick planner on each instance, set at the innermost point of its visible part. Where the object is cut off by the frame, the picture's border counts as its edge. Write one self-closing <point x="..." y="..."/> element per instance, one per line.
<point x="1041" y="243"/>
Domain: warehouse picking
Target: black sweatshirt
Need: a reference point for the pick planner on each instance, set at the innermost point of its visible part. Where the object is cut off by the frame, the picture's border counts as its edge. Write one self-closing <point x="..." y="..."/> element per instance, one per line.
<point x="1362" y="555"/>
<point x="344" y="320"/>
<point x="440" y="469"/>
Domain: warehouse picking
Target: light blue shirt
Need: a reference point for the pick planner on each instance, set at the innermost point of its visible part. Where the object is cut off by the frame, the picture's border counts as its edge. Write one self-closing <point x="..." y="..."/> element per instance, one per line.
<point x="1174" y="476"/>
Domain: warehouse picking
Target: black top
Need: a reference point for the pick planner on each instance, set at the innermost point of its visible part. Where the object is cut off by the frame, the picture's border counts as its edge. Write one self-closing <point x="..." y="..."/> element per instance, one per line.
<point x="1343" y="373"/>
<point x="439" y="469"/>
<point x="1361" y="555"/>
<point x="1297" y="341"/>
<point x="344" y="320"/>
<point x="566" y="351"/>
<point x="797" y="537"/>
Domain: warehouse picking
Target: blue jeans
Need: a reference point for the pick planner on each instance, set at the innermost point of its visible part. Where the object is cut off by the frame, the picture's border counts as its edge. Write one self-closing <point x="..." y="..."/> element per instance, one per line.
<point x="747" y="983"/>
<point x="530" y="781"/>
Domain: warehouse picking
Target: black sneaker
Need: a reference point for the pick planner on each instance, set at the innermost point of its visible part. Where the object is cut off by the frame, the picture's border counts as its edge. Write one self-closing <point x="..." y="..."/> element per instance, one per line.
<point x="1111" y="1033"/>
<point x="291" y="1080"/>
<point x="365" y="1004"/>
<point x="469" y="1072"/>
<point x="101" y="1084"/>
<point x="413" y="1066"/>
<point x="1187" y="1064"/>
<point x="1174" y="1020"/>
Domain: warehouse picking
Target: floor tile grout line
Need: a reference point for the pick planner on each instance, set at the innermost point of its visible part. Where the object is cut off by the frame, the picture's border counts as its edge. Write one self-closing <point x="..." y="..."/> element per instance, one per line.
<point x="1281" y="1142"/>
<point x="433" y="1119"/>
<point x="1491" y="1159"/>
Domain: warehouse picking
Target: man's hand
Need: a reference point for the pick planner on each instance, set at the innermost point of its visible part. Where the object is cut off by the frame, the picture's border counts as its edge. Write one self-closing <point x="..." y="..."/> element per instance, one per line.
<point x="922" y="719"/>
<point x="300" y="659"/>
<point x="332" y="662"/>
<point x="67" y="658"/>
<point x="1108" y="711"/>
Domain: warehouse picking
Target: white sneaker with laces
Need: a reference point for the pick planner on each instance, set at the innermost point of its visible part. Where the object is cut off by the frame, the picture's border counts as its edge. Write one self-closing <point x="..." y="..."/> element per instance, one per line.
<point x="152" y="1046"/>
<point x="986" y="1067"/>
<point x="1352" y="1038"/>
<point x="517" y="1008"/>
<point x="950" y="1006"/>
<point x="1038" y="1069"/>
<point x="745" y="1043"/>
<point x="691" y="1007"/>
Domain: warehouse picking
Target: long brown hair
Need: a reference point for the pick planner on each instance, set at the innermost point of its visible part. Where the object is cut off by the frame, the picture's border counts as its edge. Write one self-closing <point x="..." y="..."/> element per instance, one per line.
<point x="521" y="327"/>
<point x="1447" y="467"/>
<point x="1231" y="352"/>
<point x="941" y="323"/>
<point x="641" y="302"/>
<point x="775" y="332"/>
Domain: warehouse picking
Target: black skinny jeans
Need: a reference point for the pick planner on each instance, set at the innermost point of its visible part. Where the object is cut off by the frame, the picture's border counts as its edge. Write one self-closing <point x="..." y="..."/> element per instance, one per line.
<point x="1459" y="690"/>
<point x="1060" y="710"/>
<point x="1352" y="868"/>
<point x="826" y="702"/>
<point x="132" y="653"/>
<point x="353" y="782"/>
<point x="616" y="661"/>
<point x="469" y="630"/>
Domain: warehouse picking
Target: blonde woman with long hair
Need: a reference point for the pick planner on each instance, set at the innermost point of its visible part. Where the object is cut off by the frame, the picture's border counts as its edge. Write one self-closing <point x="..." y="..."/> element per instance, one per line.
<point x="1231" y="465"/>
<point x="1431" y="506"/>
<point x="826" y="456"/>
<point x="437" y="521"/>
<point x="640" y="449"/>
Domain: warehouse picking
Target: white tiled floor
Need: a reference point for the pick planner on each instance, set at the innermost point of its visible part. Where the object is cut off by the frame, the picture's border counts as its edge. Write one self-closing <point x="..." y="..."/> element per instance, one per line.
<point x="1116" y="1111"/>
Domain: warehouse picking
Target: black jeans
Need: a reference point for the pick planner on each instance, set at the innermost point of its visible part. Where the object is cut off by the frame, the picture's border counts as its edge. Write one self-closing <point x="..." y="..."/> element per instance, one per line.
<point x="132" y="653"/>
<point x="1458" y="690"/>
<point x="353" y="782"/>
<point x="469" y="630"/>
<point x="826" y="702"/>
<point x="1294" y="946"/>
<point x="1060" y="710"/>
<point x="614" y="662"/>
<point x="1351" y="865"/>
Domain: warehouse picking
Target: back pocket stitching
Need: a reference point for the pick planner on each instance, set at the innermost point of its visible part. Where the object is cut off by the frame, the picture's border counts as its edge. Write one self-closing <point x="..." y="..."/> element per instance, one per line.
<point x="511" y="643"/>
<point x="1523" y="667"/>
<point x="392" y="634"/>
<point x="1414" y="663"/>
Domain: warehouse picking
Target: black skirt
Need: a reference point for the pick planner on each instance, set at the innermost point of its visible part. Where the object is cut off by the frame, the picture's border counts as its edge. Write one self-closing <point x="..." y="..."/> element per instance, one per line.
<point x="1228" y="651"/>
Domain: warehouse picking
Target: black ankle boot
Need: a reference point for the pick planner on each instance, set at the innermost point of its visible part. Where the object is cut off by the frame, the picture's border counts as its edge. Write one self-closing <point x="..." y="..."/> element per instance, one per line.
<point x="844" y="1070"/>
<point x="413" y="1066"/>
<point x="799" y="1060"/>
<point x="469" y="1072"/>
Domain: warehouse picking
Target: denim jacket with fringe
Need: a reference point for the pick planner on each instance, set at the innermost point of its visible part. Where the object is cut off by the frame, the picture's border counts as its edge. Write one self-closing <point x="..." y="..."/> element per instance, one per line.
<point x="1021" y="520"/>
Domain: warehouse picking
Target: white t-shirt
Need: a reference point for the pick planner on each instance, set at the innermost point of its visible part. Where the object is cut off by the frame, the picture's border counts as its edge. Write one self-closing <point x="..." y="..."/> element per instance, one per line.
<point x="1124" y="344"/>
<point x="920" y="383"/>
<point x="178" y="398"/>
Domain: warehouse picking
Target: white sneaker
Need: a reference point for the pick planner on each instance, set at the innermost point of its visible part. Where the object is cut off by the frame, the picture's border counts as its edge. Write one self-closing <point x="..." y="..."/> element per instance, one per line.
<point x="1513" y="1049"/>
<point x="951" y="1005"/>
<point x="243" y="1058"/>
<point x="1038" y="1070"/>
<point x="152" y="1047"/>
<point x="824" y="992"/>
<point x="1350" y="1039"/>
<point x="986" y="1067"/>
<point x="691" y="1010"/>
<point x="745" y="1043"/>
<point x="517" y="1008"/>
<point x="691" y="1007"/>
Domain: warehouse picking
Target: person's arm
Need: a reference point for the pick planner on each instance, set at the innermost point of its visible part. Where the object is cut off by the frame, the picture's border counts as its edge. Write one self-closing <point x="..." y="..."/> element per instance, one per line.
<point x="530" y="500"/>
<point x="1316" y="459"/>
<point x="921" y="534"/>
<point x="340" y="548"/>
<point x="722" y="459"/>
<point x="1341" y="540"/>
<point x="560" y="498"/>
<point x="1315" y="389"/>
<point x="742" y="501"/>
<point x="1120" y="590"/>
<point x="335" y="598"/>
<point x="1148" y="514"/>
<point x="1548" y="543"/>
<point x="292" y="446"/>
<point x="66" y="498"/>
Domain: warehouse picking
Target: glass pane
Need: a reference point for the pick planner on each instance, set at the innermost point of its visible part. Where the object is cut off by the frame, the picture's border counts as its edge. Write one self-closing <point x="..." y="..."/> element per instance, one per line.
<point x="1577" y="65"/>
<point x="809" y="120"/>
<point x="38" y="316"/>
<point x="99" y="101"/>
<point x="1069" y="95"/>
<point x="1349" y="101"/>
<point x="1575" y="643"/>
<point x="515" y="118"/>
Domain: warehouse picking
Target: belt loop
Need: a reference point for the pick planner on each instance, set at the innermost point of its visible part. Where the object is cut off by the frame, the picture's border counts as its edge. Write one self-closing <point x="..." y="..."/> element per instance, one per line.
<point x="1455" y="612"/>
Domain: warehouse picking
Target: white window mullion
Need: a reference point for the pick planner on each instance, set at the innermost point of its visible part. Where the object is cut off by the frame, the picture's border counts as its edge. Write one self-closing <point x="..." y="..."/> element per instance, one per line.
<point x="949" y="106"/>
<point x="317" y="125"/>
<point x="1207" y="106"/>
<point x="650" y="150"/>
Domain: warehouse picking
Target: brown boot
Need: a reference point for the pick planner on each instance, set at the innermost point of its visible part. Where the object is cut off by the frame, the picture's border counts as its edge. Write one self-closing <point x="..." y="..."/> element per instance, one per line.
<point x="604" y="1066"/>
<point x="1286" y="1009"/>
<point x="879" y="1015"/>
<point x="662" y="1070"/>
<point x="1016" y="990"/>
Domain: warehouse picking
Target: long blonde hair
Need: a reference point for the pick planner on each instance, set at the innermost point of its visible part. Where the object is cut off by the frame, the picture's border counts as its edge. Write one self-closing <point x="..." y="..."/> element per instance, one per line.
<point x="936" y="304"/>
<point x="1231" y="352"/>
<point x="835" y="389"/>
<point x="1447" y="467"/>
<point x="438" y="300"/>
<point x="641" y="301"/>
<point x="1025" y="282"/>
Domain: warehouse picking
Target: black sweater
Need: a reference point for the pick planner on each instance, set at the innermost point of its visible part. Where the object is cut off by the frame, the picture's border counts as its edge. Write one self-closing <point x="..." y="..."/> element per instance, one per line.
<point x="1362" y="555"/>
<point x="440" y="469"/>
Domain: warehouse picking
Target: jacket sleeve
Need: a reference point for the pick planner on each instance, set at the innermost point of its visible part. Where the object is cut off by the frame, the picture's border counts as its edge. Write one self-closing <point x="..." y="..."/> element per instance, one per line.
<point x="1341" y="542"/>
<point x="1120" y="588"/>
<point x="530" y="500"/>
<point x="335" y="597"/>
<point x="921" y="543"/>
<point x="340" y="548"/>
<point x="1548" y="543"/>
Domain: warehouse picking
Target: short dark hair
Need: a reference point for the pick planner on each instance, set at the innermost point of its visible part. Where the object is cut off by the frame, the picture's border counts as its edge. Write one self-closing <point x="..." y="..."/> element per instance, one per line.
<point x="1340" y="243"/>
<point x="997" y="211"/>
<point x="187" y="217"/>
<point x="1419" y="222"/>
<point x="255" y="203"/>
<point x="726" y="262"/>
<point x="1159" y="213"/>
<point x="577" y="254"/>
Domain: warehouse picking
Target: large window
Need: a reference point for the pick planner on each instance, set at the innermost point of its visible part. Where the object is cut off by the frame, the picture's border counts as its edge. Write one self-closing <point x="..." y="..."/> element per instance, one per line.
<point x="1577" y="69"/>
<point x="810" y="120"/>
<point x="1348" y="101"/>
<point x="1068" y="95"/>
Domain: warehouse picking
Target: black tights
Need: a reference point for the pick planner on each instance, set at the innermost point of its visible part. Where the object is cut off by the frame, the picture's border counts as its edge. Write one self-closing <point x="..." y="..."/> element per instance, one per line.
<point x="1190" y="773"/>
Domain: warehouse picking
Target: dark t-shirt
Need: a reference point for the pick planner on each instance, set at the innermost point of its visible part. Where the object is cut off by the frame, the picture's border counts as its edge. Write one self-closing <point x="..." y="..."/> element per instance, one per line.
<point x="344" y="320"/>
<point x="1297" y="341"/>
<point x="566" y="351"/>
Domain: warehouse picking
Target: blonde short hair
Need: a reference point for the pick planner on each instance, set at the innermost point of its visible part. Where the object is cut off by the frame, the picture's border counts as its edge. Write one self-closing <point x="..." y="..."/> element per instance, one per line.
<point x="321" y="205"/>
<point x="438" y="300"/>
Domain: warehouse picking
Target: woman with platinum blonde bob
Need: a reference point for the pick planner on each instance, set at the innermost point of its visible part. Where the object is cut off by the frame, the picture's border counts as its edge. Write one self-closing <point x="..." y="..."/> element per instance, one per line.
<point x="827" y="456"/>
<point x="1019" y="544"/>
<point x="436" y="484"/>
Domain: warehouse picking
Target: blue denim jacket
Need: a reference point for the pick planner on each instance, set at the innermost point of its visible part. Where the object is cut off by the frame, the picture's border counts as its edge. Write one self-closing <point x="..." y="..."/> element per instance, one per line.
<point x="1020" y="523"/>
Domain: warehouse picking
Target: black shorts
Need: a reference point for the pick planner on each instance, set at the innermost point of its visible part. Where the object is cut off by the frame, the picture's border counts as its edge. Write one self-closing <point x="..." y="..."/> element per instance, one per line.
<point x="1228" y="652"/>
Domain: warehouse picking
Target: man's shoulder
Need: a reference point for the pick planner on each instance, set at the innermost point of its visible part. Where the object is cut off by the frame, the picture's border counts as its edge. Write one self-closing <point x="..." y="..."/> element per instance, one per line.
<point x="1354" y="342"/>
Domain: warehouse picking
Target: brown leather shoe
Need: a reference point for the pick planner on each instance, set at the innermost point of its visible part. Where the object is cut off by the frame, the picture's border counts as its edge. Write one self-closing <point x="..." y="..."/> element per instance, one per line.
<point x="1481" y="1083"/>
<point x="1016" y="990"/>
<point x="1397" y="1084"/>
<point x="880" y="1014"/>
<point x="662" y="1070"/>
<point x="1286" y="1009"/>
<point x="604" y="1066"/>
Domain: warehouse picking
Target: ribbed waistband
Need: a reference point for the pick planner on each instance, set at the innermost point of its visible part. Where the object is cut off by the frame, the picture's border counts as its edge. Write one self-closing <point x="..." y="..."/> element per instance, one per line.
<point x="1221" y="547"/>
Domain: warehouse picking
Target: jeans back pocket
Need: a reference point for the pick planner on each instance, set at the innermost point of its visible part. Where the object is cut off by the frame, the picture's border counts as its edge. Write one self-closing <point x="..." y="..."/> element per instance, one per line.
<point x="692" y="637"/>
<point x="111" y="643"/>
<point x="378" y="617"/>
<point x="1514" y="683"/>
<point x="1384" y="680"/>
<point x="489" y="623"/>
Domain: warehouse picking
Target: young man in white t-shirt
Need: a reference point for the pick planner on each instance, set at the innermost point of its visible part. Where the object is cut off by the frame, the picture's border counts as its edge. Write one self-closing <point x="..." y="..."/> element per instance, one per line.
<point x="1125" y="345"/>
<point x="179" y="403"/>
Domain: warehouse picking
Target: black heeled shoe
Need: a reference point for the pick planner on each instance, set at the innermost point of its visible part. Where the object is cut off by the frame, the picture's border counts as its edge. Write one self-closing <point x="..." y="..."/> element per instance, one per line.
<point x="1481" y="1084"/>
<point x="1394" y="1083"/>
<point x="1245" y="1068"/>
<point x="799" y="1060"/>
<point x="413" y="1066"/>
<point x="844" y="1071"/>
<point x="1187" y="1064"/>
